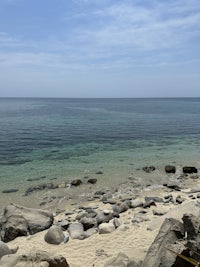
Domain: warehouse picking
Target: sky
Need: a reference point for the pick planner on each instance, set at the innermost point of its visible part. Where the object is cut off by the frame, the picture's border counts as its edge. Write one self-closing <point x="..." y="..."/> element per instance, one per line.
<point x="99" y="48"/>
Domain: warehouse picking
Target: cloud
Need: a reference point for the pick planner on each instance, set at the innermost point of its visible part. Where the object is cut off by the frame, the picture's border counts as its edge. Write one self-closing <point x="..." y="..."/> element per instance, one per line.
<point x="99" y="34"/>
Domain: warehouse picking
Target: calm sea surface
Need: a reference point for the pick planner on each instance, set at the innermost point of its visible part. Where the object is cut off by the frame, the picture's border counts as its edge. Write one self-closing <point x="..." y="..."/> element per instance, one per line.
<point x="70" y="138"/>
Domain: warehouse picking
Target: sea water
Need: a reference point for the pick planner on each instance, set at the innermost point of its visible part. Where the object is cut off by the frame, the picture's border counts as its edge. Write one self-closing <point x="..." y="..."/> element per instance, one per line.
<point x="59" y="140"/>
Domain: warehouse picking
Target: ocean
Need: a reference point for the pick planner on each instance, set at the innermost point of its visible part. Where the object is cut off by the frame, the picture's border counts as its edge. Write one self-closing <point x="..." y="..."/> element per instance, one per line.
<point x="60" y="139"/>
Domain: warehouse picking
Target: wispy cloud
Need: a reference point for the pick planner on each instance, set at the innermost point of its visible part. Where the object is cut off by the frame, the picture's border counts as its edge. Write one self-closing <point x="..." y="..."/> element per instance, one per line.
<point x="103" y="34"/>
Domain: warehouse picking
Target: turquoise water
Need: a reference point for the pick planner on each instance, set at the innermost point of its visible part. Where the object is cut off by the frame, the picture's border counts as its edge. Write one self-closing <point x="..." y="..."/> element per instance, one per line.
<point x="63" y="139"/>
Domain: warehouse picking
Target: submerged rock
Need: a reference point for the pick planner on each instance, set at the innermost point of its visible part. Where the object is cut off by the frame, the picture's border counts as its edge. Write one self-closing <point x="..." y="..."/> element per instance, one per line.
<point x="170" y="169"/>
<point x="12" y="190"/>
<point x="149" y="168"/>
<point x="187" y="169"/>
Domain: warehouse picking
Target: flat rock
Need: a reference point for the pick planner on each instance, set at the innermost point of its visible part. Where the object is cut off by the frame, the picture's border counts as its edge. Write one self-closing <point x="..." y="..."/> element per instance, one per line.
<point x="76" y="231"/>
<point x="33" y="259"/>
<point x="12" y="190"/>
<point x="21" y="221"/>
<point x="121" y="260"/>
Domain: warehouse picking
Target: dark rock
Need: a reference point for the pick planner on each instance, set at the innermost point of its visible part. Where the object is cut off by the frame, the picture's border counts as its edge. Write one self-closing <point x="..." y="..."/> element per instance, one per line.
<point x="39" y="188"/>
<point x="170" y="169"/>
<point x="88" y="222"/>
<point x="194" y="177"/>
<point x="5" y="250"/>
<point x="34" y="259"/>
<point x="124" y="206"/>
<point x="99" y="172"/>
<point x="191" y="225"/>
<point x="173" y="185"/>
<point x="102" y="218"/>
<point x="54" y="235"/>
<point x="179" y="200"/>
<point x="76" y="182"/>
<point x="149" y="169"/>
<point x="170" y="233"/>
<point x="12" y="190"/>
<point x="148" y="204"/>
<point x="92" y="181"/>
<point x="100" y="192"/>
<point x="155" y="199"/>
<point x="64" y="224"/>
<point x="189" y="169"/>
<point x="21" y="221"/>
<point x="158" y="213"/>
<point x="121" y="260"/>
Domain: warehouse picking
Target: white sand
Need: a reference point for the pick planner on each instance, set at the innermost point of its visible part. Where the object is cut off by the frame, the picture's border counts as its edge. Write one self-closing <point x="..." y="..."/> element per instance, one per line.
<point x="98" y="249"/>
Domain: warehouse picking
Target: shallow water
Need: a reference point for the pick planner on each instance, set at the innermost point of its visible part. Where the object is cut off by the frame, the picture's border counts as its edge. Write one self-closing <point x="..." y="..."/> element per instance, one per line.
<point x="62" y="139"/>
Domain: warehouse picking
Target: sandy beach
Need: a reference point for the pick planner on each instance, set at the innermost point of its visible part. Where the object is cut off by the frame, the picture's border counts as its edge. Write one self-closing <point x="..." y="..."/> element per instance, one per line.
<point x="131" y="238"/>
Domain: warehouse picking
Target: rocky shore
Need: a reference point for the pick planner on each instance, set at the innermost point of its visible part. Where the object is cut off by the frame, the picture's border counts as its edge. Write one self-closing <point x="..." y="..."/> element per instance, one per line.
<point x="132" y="225"/>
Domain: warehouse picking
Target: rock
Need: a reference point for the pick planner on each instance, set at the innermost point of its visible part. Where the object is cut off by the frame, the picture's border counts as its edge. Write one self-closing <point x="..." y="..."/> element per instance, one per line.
<point x="191" y="225"/>
<point x="170" y="232"/>
<point x="179" y="200"/>
<point x="116" y="222"/>
<point x="32" y="189"/>
<point x="76" y="231"/>
<point x="194" y="177"/>
<point x="21" y="221"/>
<point x="149" y="169"/>
<point x="76" y="182"/>
<point x="106" y="228"/>
<point x="12" y="190"/>
<point x="90" y="232"/>
<point x="100" y="192"/>
<point x="176" y="213"/>
<point x="5" y="250"/>
<point x="33" y="259"/>
<point x="170" y="169"/>
<point x="99" y="172"/>
<point x="155" y="199"/>
<point x="64" y="224"/>
<point x="136" y="203"/>
<point x="139" y="217"/>
<point x="189" y="169"/>
<point x="92" y="181"/>
<point x="148" y="204"/>
<point x="173" y="185"/>
<point x="158" y="213"/>
<point x="88" y="222"/>
<point x="121" y="261"/>
<point x="124" y="206"/>
<point x="102" y="218"/>
<point x="54" y="235"/>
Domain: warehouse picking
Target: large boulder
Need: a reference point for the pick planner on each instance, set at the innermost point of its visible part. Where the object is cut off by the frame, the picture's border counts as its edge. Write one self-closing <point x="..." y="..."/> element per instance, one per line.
<point x="33" y="259"/>
<point x="21" y="221"/>
<point x="158" y="255"/>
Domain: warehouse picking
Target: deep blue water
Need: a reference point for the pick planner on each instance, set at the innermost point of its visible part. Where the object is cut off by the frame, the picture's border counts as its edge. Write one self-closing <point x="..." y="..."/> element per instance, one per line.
<point x="28" y="125"/>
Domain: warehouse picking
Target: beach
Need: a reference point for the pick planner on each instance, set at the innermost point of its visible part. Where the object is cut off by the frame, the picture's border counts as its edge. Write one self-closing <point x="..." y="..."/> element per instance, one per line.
<point x="132" y="237"/>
